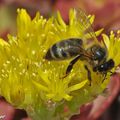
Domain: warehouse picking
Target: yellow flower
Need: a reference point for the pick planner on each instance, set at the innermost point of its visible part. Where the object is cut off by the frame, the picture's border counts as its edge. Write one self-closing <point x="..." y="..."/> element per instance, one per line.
<point x="112" y="43"/>
<point x="29" y="81"/>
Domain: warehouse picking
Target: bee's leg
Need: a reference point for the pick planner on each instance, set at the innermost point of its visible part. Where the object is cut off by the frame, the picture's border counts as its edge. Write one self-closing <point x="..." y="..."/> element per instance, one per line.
<point x="104" y="77"/>
<point x="89" y="74"/>
<point x="70" y="66"/>
<point x="105" y="74"/>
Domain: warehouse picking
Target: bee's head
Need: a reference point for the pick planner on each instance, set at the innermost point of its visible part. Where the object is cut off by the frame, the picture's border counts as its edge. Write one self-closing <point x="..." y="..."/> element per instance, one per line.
<point x="106" y="66"/>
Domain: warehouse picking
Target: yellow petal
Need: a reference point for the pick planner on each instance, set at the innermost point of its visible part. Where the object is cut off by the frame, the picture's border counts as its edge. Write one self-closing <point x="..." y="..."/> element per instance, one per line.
<point x="77" y="86"/>
<point x="3" y="42"/>
<point x="98" y="32"/>
<point x="106" y="40"/>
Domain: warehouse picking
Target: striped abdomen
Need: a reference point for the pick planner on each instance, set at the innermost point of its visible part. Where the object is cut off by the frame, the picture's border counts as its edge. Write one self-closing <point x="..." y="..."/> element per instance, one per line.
<point x="64" y="49"/>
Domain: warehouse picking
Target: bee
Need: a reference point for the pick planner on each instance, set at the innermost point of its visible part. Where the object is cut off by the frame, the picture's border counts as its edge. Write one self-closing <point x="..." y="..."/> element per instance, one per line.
<point x="84" y="48"/>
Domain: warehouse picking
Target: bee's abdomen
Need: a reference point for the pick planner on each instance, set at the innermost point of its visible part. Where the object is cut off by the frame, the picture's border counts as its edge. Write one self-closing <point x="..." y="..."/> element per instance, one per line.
<point x="64" y="49"/>
<point x="56" y="53"/>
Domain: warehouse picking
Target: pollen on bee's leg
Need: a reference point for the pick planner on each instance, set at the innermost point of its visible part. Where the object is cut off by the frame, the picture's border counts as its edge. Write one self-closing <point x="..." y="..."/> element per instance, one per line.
<point x="104" y="77"/>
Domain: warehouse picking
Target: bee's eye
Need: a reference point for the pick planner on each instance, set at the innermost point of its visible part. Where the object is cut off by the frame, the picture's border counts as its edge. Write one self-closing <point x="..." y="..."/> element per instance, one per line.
<point x="99" y="54"/>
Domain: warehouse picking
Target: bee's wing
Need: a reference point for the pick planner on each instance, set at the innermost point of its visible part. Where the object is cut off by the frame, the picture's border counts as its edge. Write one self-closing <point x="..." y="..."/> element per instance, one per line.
<point x="89" y="37"/>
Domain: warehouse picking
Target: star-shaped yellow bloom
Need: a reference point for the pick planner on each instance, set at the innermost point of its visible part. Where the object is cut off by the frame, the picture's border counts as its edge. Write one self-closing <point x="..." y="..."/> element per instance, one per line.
<point x="29" y="81"/>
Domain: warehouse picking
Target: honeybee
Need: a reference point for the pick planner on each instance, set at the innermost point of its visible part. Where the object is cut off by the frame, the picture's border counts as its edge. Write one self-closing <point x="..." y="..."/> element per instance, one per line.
<point x="83" y="48"/>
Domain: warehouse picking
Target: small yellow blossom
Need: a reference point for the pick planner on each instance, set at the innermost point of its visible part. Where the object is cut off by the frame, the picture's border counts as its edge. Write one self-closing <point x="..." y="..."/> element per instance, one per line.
<point x="28" y="81"/>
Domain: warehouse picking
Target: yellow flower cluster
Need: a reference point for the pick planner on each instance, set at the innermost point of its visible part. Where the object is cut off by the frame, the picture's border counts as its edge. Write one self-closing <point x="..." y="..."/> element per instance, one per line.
<point x="29" y="81"/>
